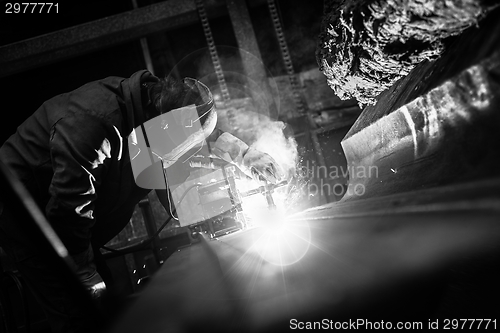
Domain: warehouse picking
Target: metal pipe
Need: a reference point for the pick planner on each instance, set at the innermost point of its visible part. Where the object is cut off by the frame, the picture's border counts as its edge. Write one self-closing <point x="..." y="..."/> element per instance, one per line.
<point x="145" y="47"/>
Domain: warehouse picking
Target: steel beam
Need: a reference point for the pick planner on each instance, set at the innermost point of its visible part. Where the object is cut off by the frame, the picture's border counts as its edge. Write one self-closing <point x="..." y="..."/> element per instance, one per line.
<point x="103" y="33"/>
<point x="251" y="57"/>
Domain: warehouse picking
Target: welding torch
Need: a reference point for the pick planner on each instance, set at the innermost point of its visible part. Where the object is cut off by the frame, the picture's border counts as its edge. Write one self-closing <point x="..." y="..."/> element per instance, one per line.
<point x="215" y="163"/>
<point x="267" y="189"/>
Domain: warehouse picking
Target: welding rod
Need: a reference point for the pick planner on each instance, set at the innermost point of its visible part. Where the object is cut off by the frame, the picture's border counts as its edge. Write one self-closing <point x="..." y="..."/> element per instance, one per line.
<point x="262" y="189"/>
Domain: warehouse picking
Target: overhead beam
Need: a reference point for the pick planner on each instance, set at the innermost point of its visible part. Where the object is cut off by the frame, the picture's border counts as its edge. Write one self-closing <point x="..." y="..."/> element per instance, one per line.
<point x="92" y="36"/>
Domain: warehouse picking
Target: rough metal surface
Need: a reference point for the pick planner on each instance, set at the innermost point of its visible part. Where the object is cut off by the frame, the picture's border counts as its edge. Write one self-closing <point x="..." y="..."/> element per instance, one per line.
<point x="366" y="46"/>
<point x="445" y="135"/>
<point x="429" y="129"/>
<point x="464" y="51"/>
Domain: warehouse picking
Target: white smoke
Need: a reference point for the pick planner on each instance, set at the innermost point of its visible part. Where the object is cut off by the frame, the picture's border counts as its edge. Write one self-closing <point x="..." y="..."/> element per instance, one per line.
<point x="240" y="118"/>
<point x="240" y="115"/>
<point x="270" y="139"/>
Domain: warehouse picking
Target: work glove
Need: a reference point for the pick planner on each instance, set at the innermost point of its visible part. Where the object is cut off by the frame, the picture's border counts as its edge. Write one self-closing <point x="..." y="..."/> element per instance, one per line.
<point x="87" y="274"/>
<point x="262" y="166"/>
<point x="254" y="163"/>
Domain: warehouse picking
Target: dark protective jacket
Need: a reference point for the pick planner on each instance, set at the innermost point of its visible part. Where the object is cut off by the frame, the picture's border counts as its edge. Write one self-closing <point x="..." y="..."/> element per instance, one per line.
<point x="72" y="156"/>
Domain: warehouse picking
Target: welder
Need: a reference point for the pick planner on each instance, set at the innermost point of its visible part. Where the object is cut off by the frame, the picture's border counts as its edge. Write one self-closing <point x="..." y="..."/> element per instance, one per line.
<point x="75" y="156"/>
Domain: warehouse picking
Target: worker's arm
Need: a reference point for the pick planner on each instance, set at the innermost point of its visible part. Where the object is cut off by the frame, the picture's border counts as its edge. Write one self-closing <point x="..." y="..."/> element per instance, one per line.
<point x="252" y="162"/>
<point x="81" y="148"/>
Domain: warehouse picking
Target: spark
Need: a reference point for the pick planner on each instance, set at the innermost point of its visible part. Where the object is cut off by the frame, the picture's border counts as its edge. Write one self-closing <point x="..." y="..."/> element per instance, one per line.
<point x="281" y="242"/>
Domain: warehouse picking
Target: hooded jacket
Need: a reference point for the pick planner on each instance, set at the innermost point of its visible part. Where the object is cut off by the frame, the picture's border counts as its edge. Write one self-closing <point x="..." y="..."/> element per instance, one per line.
<point x="72" y="156"/>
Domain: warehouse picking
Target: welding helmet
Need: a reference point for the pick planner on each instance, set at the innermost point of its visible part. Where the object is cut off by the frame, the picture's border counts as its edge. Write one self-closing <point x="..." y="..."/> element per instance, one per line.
<point x="161" y="141"/>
